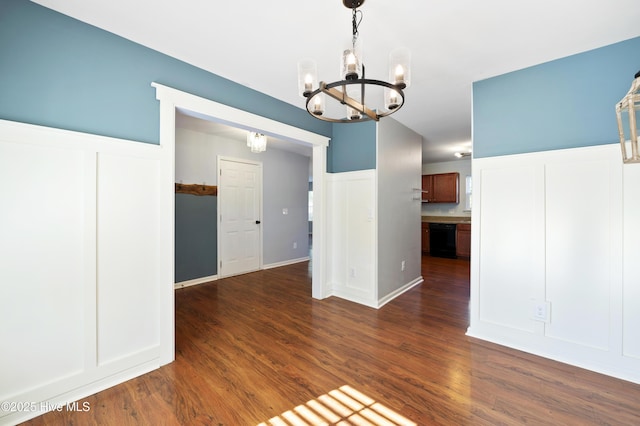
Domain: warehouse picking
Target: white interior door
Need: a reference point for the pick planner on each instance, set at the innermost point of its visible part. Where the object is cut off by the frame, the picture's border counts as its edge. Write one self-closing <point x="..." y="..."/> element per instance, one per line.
<point x="240" y="212"/>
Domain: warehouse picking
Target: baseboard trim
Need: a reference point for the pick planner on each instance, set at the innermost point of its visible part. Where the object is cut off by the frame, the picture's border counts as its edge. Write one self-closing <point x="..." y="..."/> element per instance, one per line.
<point x="285" y="263"/>
<point x="195" y="281"/>
<point x="66" y="399"/>
<point x="389" y="297"/>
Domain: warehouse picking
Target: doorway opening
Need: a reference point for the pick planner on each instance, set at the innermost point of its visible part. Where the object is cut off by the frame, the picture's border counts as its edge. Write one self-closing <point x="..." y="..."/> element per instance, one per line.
<point x="172" y="101"/>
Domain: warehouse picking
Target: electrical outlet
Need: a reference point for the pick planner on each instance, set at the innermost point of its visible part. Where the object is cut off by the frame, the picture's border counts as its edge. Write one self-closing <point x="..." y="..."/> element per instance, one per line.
<point x="295" y="244"/>
<point x="540" y="310"/>
<point x="352" y="272"/>
<point x="402" y="265"/>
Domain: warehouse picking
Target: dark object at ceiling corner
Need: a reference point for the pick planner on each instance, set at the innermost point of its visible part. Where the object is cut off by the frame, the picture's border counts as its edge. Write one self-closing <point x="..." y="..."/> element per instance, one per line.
<point x="352" y="4"/>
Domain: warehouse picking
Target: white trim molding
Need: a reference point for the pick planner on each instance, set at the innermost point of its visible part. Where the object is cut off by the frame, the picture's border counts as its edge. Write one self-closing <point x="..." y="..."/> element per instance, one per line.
<point x="285" y="263"/>
<point x="195" y="281"/>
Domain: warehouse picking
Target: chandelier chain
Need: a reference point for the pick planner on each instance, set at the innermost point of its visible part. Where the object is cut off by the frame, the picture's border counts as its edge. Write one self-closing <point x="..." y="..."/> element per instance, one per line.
<point x="355" y="22"/>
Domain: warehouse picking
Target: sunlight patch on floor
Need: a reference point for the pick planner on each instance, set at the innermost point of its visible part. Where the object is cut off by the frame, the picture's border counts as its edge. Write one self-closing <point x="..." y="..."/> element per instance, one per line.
<point x="343" y="406"/>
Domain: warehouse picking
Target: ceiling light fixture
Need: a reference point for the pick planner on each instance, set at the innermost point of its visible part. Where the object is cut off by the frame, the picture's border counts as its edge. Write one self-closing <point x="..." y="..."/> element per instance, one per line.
<point x="257" y="142"/>
<point x="628" y="115"/>
<point x="350" y="91"/>
<point x="462" y="154"/>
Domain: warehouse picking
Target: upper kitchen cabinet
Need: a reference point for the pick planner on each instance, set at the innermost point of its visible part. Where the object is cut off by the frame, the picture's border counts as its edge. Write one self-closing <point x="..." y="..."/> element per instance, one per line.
<point x="441" y="188"/>
<point x="427" y="188"/>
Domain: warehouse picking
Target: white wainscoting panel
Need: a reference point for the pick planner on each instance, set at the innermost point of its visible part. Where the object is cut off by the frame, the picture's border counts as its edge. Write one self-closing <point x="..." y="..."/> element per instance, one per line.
<point x="631" y="291"/>
<point x="561" y="229"/>
<point x="511" y="244"/>
<point x="129" y="316"/>
<point x="579" y="250"/>
<point x="42" y="231"/>
<point x="352" y="236"/>
<point x="80" y="260"/>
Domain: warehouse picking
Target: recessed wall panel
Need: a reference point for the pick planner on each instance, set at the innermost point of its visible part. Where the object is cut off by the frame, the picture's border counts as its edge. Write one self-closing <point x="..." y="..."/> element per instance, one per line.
<point x="128" y="231"/>
<point x="509" y="242"/>
<point x="578" y="251"/>
<point x="352" y="235"/>
<point x="631" y="288"/>
<point x="42" y="232"/>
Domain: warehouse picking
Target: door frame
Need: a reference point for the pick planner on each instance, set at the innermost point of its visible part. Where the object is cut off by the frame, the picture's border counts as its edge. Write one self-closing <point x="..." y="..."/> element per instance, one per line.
<point x="172" y="100"/>
<point x="219" y="160"/>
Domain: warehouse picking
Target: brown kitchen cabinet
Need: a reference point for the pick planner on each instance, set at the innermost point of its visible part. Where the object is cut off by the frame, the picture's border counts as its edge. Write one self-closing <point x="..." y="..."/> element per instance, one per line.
<point x="463" y="240"/>
<point x="441" y="188"/>
<point x="425" y="237"/>
<point x="427" y="187"/>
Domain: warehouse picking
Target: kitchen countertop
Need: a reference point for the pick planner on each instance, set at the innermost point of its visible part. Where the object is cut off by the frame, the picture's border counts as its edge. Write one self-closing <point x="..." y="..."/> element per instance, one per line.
<point x="446" y="219"/>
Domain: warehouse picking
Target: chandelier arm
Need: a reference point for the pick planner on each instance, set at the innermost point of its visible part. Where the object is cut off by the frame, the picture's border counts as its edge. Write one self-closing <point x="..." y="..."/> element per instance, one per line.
<point x="343" y="98"/>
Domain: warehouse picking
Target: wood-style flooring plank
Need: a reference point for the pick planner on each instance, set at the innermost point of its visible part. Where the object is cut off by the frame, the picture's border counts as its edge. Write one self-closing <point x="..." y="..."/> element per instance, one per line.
<point x="257" y="349"/>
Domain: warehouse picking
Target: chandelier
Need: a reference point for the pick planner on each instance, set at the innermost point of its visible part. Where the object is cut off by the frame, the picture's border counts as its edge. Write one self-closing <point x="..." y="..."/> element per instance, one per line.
<point x="628" y="115"/>
<point x="257" y="142"/>
<point x="351" y="90"/>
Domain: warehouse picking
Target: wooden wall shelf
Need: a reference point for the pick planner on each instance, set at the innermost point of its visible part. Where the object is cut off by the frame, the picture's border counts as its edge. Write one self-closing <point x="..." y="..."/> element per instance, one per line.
<point x="196" y="189"/>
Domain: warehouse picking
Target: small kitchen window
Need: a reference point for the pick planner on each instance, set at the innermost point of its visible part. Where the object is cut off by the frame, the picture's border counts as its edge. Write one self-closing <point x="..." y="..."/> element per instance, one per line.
<point x="468" y="190"/>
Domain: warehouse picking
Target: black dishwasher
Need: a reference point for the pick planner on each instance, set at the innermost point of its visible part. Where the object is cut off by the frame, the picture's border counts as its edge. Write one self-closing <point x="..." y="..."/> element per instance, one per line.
<point x="442" y="240"/>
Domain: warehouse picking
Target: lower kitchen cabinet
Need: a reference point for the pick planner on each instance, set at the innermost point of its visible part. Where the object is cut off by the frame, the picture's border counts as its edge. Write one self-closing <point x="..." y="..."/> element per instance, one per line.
<point x="463" y="240"/>
<point x="425" y="237"/>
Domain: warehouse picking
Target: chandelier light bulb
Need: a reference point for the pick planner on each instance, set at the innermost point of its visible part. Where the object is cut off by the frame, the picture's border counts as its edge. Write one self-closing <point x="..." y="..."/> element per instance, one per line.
<point x="318" y="104"/>
<point x="353" y="93"/>
<point x="307" y="77"/>
<point x="399" y="75"/>
<point x="400" y="67"/>
<point x="350" y="65"/>
<point x="308" y="81"/>
<point x="392" y="99"/>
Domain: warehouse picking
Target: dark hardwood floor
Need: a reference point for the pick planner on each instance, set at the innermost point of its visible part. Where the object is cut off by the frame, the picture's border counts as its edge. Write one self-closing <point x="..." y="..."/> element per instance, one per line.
<point x="257" y="349"/>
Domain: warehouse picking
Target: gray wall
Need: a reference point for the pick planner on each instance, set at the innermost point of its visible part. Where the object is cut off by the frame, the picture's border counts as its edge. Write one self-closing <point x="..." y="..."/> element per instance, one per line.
<point x="286" y="185"/>
<point x="399" y="171"/>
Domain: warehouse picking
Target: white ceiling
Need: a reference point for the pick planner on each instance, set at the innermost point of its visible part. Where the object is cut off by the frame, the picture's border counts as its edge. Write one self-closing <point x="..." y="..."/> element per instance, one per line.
<point x="453" y="43"/>
<point x="190" y="122"/>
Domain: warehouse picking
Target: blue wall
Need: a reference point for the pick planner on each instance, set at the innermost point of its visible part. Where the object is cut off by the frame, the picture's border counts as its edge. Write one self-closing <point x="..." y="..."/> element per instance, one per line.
<point x="196" y="245"/>
<point x="566" y="103"/>
<point x="352" y="147"/>
<point x="59" y="72"/>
